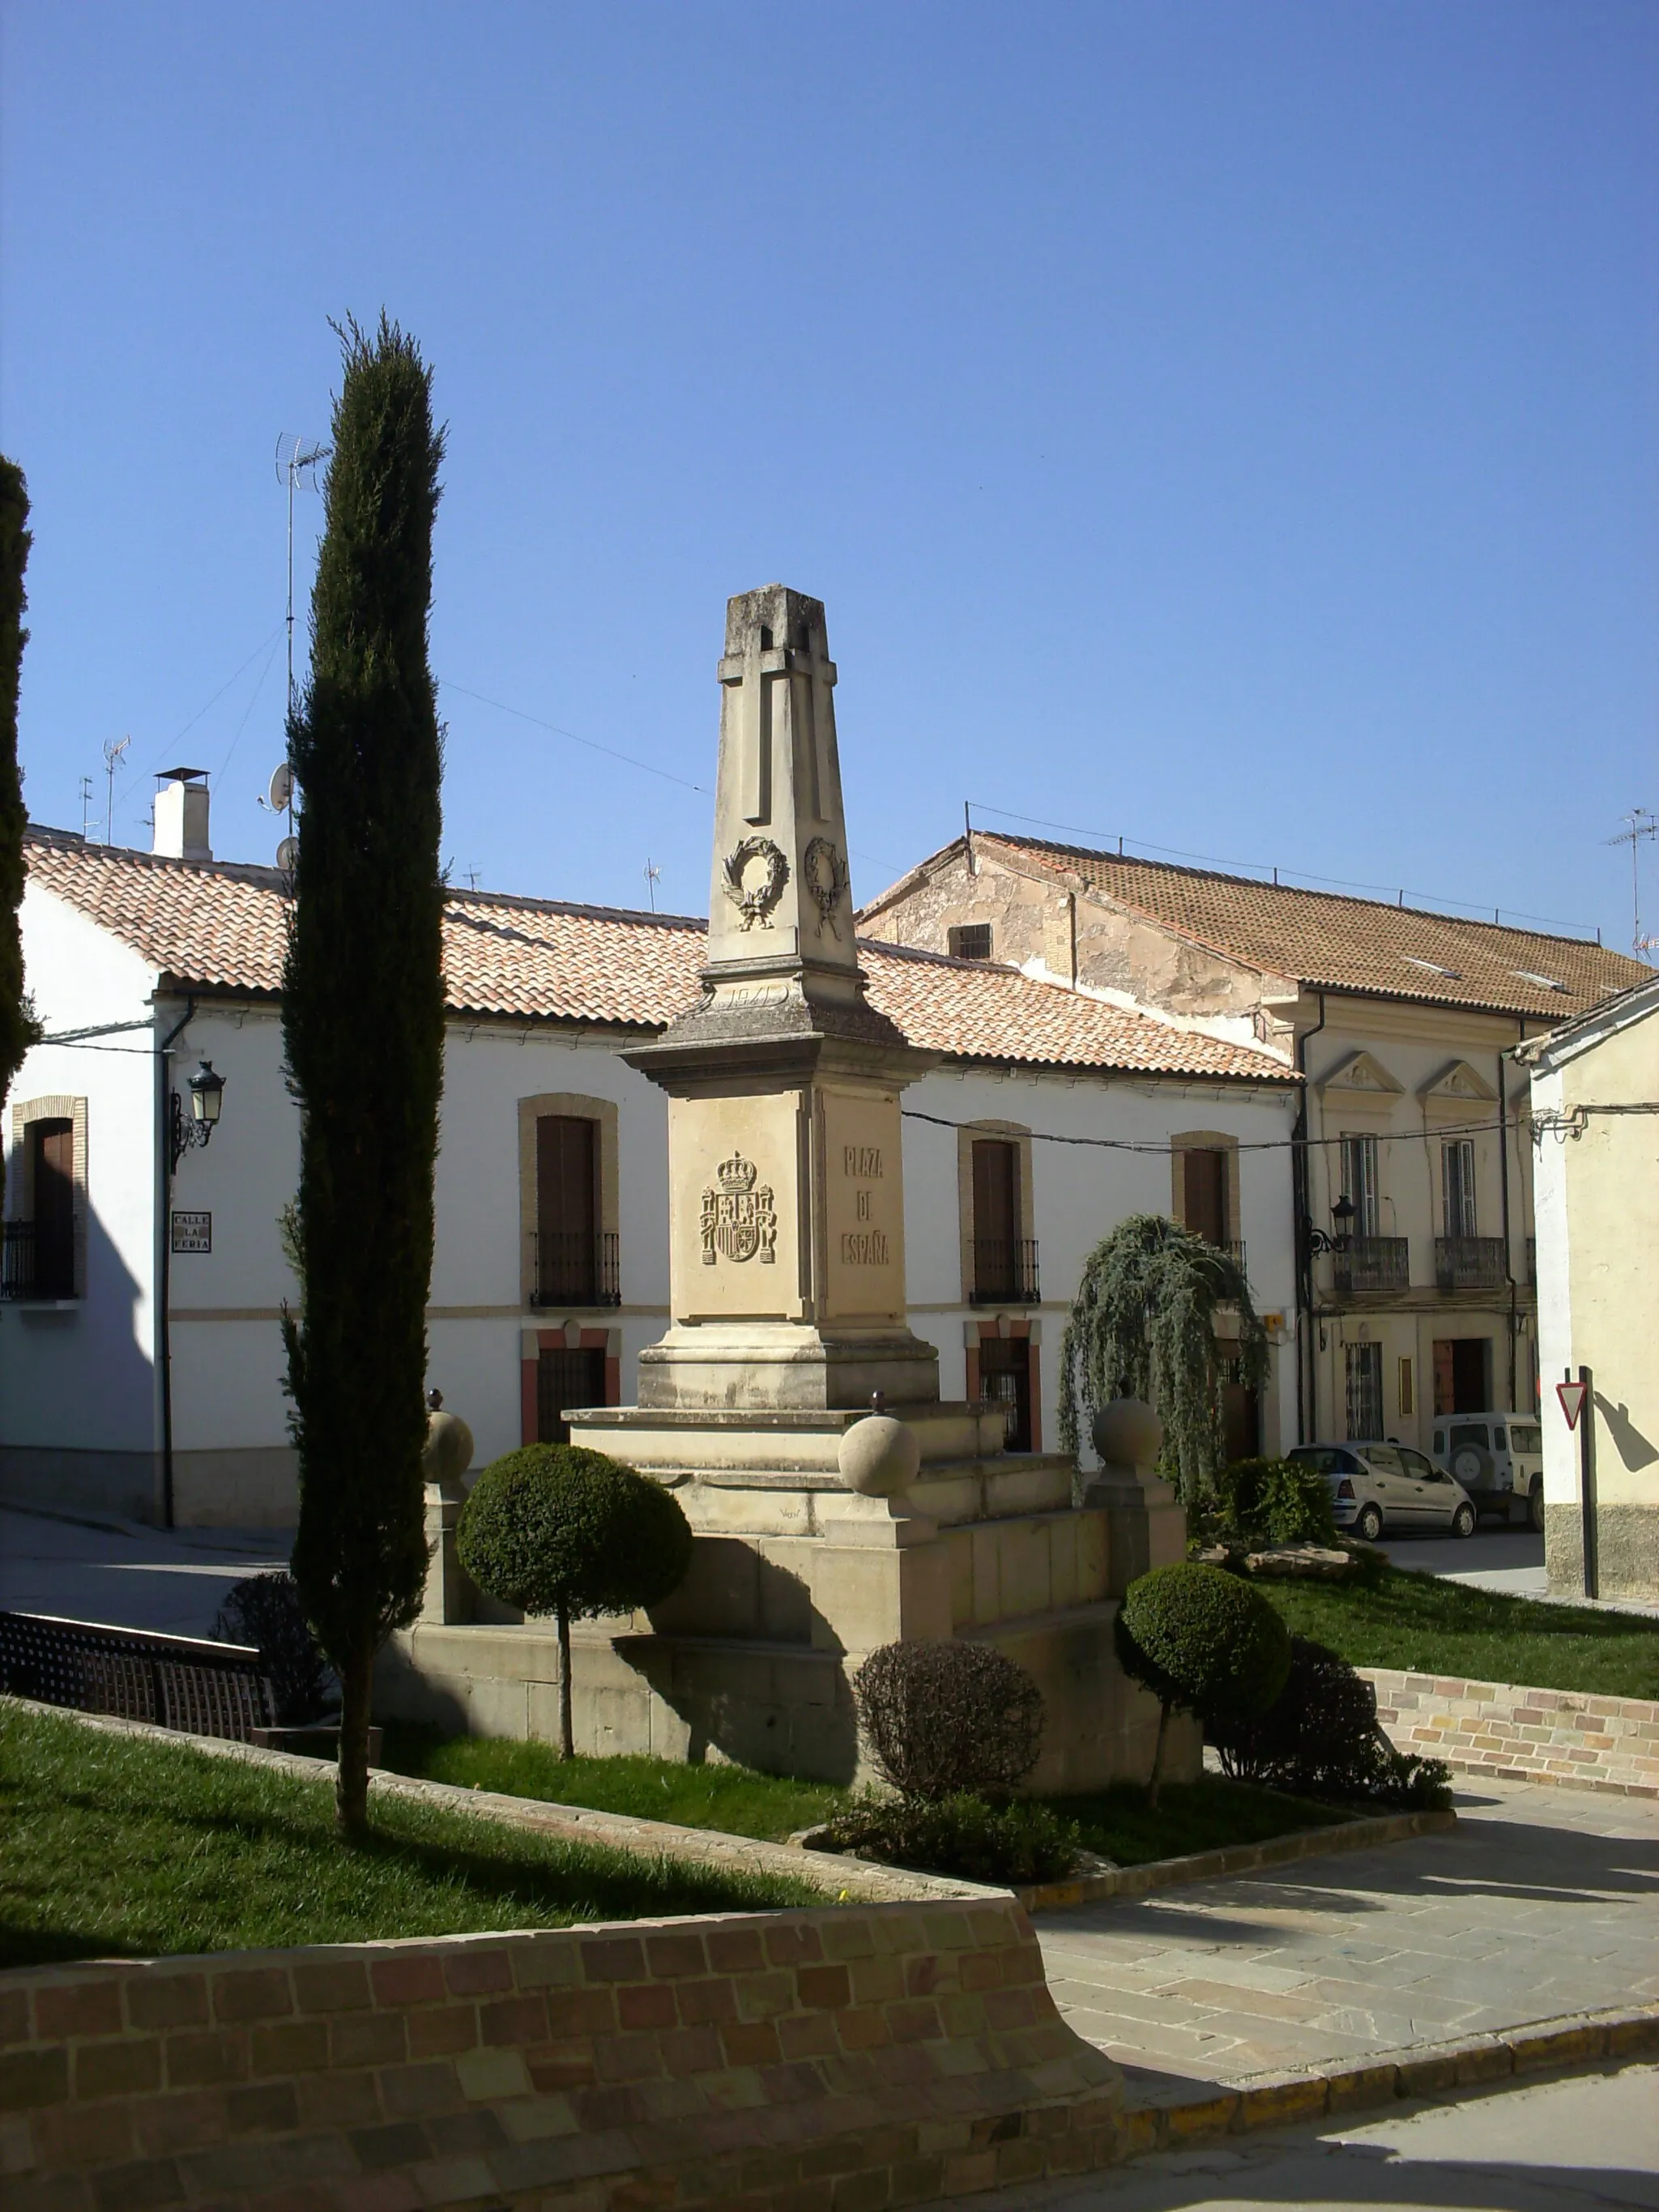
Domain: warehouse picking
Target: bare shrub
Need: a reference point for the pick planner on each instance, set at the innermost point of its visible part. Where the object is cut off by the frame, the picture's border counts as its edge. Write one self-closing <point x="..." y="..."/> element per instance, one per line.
<point x="945" y="1718"/>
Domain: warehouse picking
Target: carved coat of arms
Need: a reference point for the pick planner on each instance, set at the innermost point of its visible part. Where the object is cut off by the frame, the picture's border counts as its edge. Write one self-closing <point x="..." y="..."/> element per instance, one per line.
<point x="738" y="1220"/>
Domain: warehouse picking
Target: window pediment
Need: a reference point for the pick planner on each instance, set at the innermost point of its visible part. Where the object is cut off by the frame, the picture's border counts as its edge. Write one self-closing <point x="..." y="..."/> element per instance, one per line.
<point x="1458" y="1084"/>
<point x="1363" y="1074"/>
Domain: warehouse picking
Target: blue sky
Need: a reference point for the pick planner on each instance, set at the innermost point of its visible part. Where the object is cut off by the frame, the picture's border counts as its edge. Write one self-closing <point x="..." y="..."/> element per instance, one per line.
<point x="1231" y="426"/>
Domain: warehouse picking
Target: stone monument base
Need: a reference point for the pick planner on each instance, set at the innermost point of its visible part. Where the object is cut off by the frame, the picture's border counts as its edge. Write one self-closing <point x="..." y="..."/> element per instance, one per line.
<point x="795" y="1579"/>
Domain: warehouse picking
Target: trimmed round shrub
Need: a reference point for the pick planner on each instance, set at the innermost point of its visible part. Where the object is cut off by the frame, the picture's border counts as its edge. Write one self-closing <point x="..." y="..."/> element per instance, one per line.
<point x="554" y="1529"/>
<point x="1203" y="1640"/>
<point x="959" y="1836"/>
<point x="265" y="1610"/>
<point x="1276" y="1501"/>
<point x="1320" y="1738"/>
<point x="943" y="1719"/>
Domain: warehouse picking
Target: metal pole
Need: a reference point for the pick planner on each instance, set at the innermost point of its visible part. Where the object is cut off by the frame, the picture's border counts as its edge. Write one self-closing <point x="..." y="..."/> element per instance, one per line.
<point x="1587" y="1484"/>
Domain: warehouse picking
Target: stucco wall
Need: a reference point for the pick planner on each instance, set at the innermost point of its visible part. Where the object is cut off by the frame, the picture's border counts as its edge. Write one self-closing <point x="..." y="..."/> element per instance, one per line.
<point x="78" y="1411"/>
<point x="1598" y="1236"/>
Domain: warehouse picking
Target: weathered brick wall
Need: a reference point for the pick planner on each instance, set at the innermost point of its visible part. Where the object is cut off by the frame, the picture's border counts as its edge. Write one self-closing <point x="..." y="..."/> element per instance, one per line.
<point x="860" y="2056"/>
<point x="1499" y="1728"/>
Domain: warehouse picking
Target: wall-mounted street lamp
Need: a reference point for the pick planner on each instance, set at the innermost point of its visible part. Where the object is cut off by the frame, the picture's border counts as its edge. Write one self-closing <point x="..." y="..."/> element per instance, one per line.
<point x="1342" y="1214"/>
<point x="206" y="1097"/>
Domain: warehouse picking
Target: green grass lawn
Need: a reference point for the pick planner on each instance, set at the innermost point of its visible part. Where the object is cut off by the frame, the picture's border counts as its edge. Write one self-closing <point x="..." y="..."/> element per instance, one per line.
<point x="1429" y="1626"/>
<point x="113" y="1846"/>
<point x="733" y="1799"/>
<point x="1193" y="1817"/>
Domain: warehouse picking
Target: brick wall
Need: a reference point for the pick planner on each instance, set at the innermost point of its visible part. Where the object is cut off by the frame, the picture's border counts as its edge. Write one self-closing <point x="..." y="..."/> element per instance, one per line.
<point x="1544" y="1735"/>
<point x="830" y="2060"/>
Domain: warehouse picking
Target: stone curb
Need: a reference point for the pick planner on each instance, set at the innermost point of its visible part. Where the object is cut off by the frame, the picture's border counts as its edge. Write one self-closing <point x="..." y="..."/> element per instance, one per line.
<point x="838" y="1878"/>
<point x="1424" y="2069"/>
<point x="1234" y="1858"/>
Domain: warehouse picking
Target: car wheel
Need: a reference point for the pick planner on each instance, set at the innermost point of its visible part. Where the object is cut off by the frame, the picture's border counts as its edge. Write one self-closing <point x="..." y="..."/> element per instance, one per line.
<point x="1462" y="1522"/>
<point x="1369" y="1524"/>
<point x="1535" y="1509"/>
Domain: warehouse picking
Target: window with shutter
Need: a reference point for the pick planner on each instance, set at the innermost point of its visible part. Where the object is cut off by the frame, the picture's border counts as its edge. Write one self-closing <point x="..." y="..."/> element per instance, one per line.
<point x="568" y="1261"/>
<point x="1359" y="1183"/>
<point x="1457" y="1184"/>
<point x="996" y="1220"/>
<point x="51" y="1164"/>
<point x="1205" y="1194"/>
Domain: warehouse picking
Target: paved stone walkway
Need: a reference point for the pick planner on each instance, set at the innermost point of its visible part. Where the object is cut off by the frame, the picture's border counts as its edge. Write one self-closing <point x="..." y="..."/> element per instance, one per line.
<point x="1542" y="1902"/>
<point x="174" y="1580"/>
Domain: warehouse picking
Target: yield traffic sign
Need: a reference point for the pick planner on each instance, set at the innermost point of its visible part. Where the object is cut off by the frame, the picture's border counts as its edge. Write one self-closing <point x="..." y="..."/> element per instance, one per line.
<point x="1572" y="1396"/>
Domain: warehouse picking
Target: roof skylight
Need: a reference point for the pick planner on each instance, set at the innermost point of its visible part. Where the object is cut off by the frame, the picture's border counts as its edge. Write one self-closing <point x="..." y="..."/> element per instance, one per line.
<point x="1433" y="968"/>
<point x="1531" y="975"/>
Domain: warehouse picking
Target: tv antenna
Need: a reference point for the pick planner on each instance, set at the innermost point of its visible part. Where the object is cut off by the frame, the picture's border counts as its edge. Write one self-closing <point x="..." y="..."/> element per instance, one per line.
<point x="1644" y="822"/>
<point x="113" y="754"/>
<point x="86" y="806"/>
<point x="297" y="462"/>
<point x="652" y="877"/>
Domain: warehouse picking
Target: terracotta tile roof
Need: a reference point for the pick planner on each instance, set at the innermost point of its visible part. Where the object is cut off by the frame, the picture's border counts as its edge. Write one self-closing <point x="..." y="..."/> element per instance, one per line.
<point x="220" y="925"/>
<point x="1323" y="939"/>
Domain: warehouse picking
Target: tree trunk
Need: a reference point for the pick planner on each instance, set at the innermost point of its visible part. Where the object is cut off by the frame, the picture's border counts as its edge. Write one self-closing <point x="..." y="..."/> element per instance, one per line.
<point x="1157" y="1757"/>
<point x="351" y="1782"/>
<point x="566" y="1746"/>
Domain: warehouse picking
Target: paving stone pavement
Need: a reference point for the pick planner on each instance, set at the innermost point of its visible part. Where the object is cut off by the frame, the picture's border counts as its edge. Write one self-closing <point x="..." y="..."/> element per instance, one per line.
<point x="1542" y="1902"/>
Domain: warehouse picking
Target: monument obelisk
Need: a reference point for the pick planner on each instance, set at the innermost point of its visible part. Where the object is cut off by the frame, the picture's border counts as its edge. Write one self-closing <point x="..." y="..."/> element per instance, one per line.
<point x="787" y="1229"/>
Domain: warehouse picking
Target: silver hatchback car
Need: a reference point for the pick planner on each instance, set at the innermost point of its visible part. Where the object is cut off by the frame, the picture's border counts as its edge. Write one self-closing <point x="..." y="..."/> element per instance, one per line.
<point x="1375" y="1487"/>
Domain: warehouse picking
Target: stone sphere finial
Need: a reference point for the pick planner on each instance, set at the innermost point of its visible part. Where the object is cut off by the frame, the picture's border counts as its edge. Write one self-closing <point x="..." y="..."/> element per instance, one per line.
<point x="1127" y="1433"/>
<point x="447" y="1452"/>
<point x="878" y="1456"/>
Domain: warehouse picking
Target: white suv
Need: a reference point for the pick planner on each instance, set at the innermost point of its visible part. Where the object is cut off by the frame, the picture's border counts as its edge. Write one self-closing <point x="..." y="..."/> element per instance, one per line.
<point x="1500" y="1460"/>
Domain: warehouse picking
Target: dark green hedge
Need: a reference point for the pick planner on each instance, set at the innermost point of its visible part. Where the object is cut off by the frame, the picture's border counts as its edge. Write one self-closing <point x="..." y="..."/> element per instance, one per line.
<point x="555" y="1527"/>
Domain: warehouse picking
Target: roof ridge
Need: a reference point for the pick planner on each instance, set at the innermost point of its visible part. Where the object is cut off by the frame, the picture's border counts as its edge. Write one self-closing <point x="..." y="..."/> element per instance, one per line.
<point x="1286" y="890"/>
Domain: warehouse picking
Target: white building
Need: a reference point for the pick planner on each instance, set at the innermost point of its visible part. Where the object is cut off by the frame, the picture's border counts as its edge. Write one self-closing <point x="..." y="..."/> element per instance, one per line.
<point x="141" y="1364"/>
<point x="1595" y="1133"/>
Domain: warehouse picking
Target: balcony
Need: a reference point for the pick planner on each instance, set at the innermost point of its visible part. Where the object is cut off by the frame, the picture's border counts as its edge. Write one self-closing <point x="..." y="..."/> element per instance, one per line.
<point x="1374" y="1263"/>
<point x="32" y="1266"/>
<point x="1005" y="1272"/>
<point x="1468" y="1263"/>
<point x="573" y="1270"/>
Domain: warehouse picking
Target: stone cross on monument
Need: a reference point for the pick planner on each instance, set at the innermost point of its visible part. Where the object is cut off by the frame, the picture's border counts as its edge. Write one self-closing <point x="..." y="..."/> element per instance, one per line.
<point x="787" y="1229"/>
<point x="780" y="896"/>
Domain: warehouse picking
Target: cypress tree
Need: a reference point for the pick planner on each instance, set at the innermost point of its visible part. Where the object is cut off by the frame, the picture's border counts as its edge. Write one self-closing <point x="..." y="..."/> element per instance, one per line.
<point x="363" y="1025"/>
<point x="18" y="1027"/>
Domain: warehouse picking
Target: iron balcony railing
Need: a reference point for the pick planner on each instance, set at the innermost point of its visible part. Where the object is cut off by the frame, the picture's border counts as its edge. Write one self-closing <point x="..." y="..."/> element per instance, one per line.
<point x="1468" y="1263"/>
<point x="32" y="1266"/>
<point x="1374" y="1263"/>
<point x="573" y="1270"/>
<point x="1005" y="1272"/>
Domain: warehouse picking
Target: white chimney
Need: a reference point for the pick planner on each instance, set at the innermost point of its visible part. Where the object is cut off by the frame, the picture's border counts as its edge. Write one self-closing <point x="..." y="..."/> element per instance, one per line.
<point x="181" y="815"/>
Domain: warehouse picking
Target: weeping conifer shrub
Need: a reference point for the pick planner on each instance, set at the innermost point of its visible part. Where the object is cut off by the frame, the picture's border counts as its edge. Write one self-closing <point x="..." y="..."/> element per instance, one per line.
<point x="1142" y="1325"/>
<point x="18" y="1027"/>
<point x="363" y="1025"/>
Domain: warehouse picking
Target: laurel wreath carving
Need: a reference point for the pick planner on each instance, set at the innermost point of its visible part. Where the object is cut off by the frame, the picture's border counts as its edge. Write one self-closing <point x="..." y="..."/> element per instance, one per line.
<point x="825" y="872"/>
<point x="756" y="904"/>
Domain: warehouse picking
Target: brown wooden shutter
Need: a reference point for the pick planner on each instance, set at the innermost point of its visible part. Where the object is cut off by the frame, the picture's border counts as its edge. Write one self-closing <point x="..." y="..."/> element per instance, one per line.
<point x="996" y="1190"/>
<point x="52" y="1144"/>
<point x="1204" y="1195"/>
<point x="567" y="1207"/>
<point x="1445" y="1393"/>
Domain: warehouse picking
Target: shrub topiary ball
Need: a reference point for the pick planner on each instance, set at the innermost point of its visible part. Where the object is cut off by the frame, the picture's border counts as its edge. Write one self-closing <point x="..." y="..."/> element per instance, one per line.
<point x="1203" y="1640"/>
<point x="555" y="1528"/>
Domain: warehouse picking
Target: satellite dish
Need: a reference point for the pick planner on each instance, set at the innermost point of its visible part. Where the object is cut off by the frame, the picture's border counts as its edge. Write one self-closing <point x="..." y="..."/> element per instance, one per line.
<point x="280" y="797"/>
<point x="287" y="853"/>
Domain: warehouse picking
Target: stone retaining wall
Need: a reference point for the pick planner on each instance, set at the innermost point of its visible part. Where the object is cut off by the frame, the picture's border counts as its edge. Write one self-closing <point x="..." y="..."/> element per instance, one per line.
<point x="831" y="2060"/>
<point x="1541" y="1736"/>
